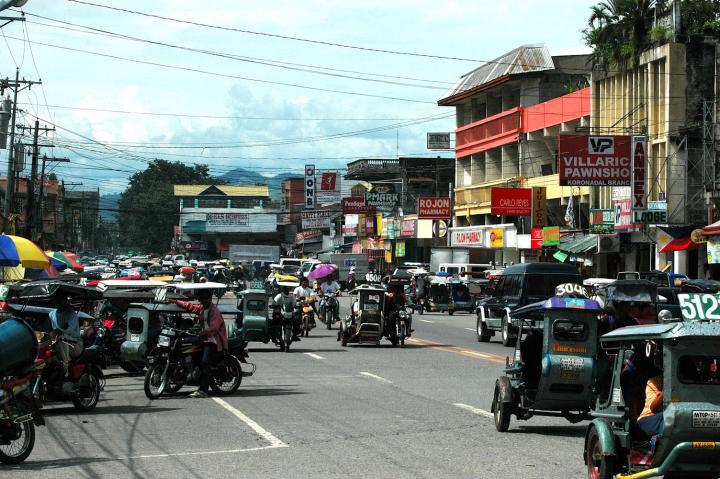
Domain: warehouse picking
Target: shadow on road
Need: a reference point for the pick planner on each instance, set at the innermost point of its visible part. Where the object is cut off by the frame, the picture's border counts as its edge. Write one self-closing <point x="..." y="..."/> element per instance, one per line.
<point x="560" y="431"/>
<point x="31" y="465"/>
<point x="260" y="392"/>
<point x="126" y="409"/>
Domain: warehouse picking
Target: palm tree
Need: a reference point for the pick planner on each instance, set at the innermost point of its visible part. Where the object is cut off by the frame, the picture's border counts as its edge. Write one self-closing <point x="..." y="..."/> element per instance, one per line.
<point x="619" y="31"/>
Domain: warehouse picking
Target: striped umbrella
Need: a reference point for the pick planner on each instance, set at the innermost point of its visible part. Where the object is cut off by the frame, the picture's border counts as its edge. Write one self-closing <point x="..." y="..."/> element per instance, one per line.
<point x="19" y="251"/>
<point x="67" y="259"/>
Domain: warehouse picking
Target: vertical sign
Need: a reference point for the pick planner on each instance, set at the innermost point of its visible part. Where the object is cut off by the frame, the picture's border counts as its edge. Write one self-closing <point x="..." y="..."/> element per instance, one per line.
<point x="539" y="216"/>
<point x="639" y="173"/>
<point x="310" y="187"/>
<point x="536" y="238"/>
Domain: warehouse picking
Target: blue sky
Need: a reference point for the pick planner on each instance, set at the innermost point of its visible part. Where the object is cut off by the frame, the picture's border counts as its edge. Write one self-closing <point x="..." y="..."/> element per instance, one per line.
<point x="468" y="29"/>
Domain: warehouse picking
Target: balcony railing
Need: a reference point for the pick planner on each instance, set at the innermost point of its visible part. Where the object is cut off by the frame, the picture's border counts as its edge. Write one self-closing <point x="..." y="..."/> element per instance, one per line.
<point x="488" y="133"/>
<point x="373" y="168"/>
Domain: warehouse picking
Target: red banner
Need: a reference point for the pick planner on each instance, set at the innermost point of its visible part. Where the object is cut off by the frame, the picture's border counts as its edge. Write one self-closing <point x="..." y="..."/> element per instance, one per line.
<point x="356" y="204"/>
<point x="370" y="225"/>
<point x="536" y="238"/>
<point x="511" y="201"/>
<point x="328" y="182"/>
<point x="434" y="208"/>
<point x="407" y="229"/>
<point x="585" y="160"/>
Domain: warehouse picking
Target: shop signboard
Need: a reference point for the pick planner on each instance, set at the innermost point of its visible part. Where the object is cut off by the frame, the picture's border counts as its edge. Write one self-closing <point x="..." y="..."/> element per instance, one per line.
<point x="590" y="160"/>
<point x="197" y="245"/>
<point x="350" y="230"/>
<point x="310" y="187"/>
<point x="434" y="208"/>
<point x="438" y="141"/>
<point x="639" y="176"/>
<point x="471" y="237"/>
<point x="551" y="236"/>
<point x="496" y="238"/>
<point x="315" y="219"/>
<point x="407" y="228"/>
<point x="602" y="221"/>
<point x="356" y="204"/>
<point x="370" y="225"/>
<point x="382" y="197"/>
<point x="623" y="217"/>
<point x="511" y="201"/>
<point x="656" y="214"/>
<point x="303" y="236"/>
<point x="539" y="203"/>
<point x="328" y="188"/>
<point x="400" y="249"/>
<point x="536" y="238"/>
<point x="228" y="219"/>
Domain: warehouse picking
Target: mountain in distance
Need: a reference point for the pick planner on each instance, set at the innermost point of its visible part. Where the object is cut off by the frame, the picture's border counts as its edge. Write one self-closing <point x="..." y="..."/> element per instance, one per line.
<point x="108" y="207"/>
<point x="244" y="177"/>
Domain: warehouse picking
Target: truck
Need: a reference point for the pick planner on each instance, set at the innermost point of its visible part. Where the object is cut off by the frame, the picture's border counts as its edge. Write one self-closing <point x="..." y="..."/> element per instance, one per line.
<point x="443" y="255"/>
<point x="344" y="261"/>
<point x="247" y="253"/>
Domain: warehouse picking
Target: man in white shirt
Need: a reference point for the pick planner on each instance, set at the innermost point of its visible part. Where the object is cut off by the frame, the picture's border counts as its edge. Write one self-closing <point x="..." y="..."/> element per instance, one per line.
<point x="329" y="285"/>
<point x="304" y="291"/>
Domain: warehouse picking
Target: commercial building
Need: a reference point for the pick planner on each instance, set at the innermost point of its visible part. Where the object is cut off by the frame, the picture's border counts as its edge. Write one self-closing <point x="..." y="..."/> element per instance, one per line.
<point x="216" y="216"/>
<point x="509" y="114"/>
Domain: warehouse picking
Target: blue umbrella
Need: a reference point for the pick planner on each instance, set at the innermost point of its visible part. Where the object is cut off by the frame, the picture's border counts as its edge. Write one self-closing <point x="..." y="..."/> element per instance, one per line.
<point x="57" y="264"/>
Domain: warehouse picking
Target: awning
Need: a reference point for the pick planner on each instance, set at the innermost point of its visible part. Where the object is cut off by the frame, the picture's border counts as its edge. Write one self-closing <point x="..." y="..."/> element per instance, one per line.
<point x="578" y="244"/>
<point x="560" y="256"/>
<point x="712" y="230"/>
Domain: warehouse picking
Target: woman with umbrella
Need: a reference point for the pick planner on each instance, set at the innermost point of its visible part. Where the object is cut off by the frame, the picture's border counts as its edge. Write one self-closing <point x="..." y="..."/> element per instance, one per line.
<point x="324" y="273"/>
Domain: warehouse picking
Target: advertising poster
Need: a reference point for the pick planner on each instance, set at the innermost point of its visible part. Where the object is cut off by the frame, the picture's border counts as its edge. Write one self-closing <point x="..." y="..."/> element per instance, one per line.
<point x="434" y="208"/>
<point x="511" y="201"/>
<point x="497" y="239"/>
<point x="587" y="160"/>
<point x="551" y="236"/>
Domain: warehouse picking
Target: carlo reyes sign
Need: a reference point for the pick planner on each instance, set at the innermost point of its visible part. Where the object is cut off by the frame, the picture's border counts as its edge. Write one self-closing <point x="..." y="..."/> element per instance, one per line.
<point x="511" y="201"/>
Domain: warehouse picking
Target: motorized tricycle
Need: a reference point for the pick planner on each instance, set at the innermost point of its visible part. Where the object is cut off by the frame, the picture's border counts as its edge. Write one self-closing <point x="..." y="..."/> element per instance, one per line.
<point x="255" y="323"/>
<point x="684" y="354"/>
<point x="460" y="298"/>
<point x="629" y="302"/>
<point x="552" y="372"/>
<point x="373" y="316"/>
<point x="438" y="294"/>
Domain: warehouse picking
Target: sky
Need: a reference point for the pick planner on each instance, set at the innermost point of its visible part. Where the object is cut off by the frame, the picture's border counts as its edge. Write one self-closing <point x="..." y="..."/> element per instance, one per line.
<point x="253" y="100"/>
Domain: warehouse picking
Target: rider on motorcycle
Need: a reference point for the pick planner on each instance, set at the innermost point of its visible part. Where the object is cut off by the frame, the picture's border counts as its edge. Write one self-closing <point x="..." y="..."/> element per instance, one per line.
<point x="286" y="301"/>
<point x="304" y="292"/>
<point x="329" y="285"/>
<point x="395" y="302"/>
<point x="213" y="335"/>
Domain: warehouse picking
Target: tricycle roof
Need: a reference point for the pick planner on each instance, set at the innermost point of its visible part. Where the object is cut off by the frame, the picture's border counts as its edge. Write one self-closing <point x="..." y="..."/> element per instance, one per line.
<point x="159" y="307"/>
<point x="21" y="308"/>
<point x="194" y="286"/>
<point x="50" y="289"/>
<point x="558" y="302"/>
<point x="639" y="290"/>
<point x="253" y="291"/>
<point x="131" y="284"/>
<point x="662" y="331"/>
<point x="368" y="287"/>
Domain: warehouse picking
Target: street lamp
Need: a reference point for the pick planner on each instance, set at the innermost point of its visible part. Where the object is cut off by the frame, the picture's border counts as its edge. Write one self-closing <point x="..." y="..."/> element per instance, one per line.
<point x="5" y="4"/>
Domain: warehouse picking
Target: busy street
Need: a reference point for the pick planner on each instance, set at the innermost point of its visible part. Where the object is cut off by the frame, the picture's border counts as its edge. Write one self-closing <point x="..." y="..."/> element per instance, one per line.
<point x="322" y="411"/>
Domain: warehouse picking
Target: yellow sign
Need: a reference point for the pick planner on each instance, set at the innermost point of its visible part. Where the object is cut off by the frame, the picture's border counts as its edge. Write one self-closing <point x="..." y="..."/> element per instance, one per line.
<point x="388" y="256"/>
<point x="539" y="215"/>
<point x="697" y="236"/>
<point x="496" y="238"/>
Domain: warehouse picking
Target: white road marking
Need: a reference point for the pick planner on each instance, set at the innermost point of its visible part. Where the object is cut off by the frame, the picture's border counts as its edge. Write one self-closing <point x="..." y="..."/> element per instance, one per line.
<point x="378" y="378"/>
<point x="425" y="321"/>
<point x="314" y="356"/>
<point x="474" y="410"/>
<point x="259" y="430"/>
<point x="198" y="453"/>
<point x="470" y="329"/>
<point x="475" y="353"/>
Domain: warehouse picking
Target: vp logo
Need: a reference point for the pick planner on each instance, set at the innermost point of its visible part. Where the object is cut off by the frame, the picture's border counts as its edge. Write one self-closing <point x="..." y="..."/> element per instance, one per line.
<point x="601" y="145"/>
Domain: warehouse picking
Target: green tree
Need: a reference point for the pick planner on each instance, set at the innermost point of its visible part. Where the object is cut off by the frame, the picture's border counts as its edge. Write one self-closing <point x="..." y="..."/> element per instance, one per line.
<point x="148" y="209"/>
<point x="700" y="15"/>
<point x="619" y="31"/>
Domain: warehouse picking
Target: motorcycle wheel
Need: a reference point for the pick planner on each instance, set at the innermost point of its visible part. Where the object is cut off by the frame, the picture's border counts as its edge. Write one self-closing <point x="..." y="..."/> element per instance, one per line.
<point x="86" y="398"/>
<point x="21" y="445"/>
<point x="329" y="320"/>
<point x="230" y="367"/>
<point x="421" y="308"/>
<point x="155" y="381"/>
<point x="403" y="332"/>
<point x="287" y="336"/>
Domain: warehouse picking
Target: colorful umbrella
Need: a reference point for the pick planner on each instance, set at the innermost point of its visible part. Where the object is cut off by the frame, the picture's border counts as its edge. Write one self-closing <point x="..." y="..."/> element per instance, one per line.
<point x="322" y="270"/>
<point x="74" y="263"/>
<point x="19" y="251"/>
<point x="57" y="264"/>
<point x="67" y="258"/>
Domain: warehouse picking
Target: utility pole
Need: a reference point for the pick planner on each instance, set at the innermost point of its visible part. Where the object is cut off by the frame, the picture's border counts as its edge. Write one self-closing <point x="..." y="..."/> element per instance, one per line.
<point x="31" y="214"/>
<point x="17" y="86"/>
<point x="41" y="215"/>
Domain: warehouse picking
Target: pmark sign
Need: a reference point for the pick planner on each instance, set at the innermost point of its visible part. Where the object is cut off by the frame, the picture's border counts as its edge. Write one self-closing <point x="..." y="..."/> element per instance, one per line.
<point x="310" y="186"/>
<point x="585" y="160"/>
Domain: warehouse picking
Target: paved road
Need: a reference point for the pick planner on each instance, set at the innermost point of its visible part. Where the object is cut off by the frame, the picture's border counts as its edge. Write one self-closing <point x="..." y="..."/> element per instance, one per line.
<point x="319" y="411"/>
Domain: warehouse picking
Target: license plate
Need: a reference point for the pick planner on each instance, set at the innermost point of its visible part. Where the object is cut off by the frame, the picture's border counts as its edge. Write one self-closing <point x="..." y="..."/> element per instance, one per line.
<point x="706" y="419"/>
<point x="164" y="341"/>
<point x="705" y="445"/>
<point x="135" y="337"/>
<point x="168" y="332"/>
<point x="572" y="364"/>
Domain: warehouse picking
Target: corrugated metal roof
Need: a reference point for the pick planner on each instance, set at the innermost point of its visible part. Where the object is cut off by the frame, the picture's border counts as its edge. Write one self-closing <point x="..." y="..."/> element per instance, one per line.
<point x="195" y="190"/>
<point x="524" y="59"/>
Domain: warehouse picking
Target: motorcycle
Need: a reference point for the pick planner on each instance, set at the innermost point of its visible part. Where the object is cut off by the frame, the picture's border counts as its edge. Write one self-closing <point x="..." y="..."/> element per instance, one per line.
<point x="305" y="312"/>
<point x="177" y="363"/>
<point x="84" y="380"/>
<point x="331" y="307"/>
<point x="283" y="315"/>
<point x="18" y="417"/>
<point x="398" y="327"/>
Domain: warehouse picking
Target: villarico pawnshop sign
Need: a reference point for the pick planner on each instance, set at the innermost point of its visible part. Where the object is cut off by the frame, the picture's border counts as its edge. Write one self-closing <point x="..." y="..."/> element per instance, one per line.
<point x="586" y="160"/>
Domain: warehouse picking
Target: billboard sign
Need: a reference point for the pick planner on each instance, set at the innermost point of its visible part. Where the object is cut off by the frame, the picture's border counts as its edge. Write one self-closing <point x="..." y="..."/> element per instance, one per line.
<point x="407" y="228"/>
<point x="303" y="236"/>
<point x="587" y="160"/>
<point x="438" y="141"/>
<point x="511" y="201"/>
<point x="536" y="238"/>
<point x="539" y="212"/>
<point x="551" y="236"/>
<point x="497" y="239"/>
<point x="382" y="198"/>
<point x="315" y="219"/>
<point x="328" y="188"/>
<point x="310" y="187"/>
<point x="639" y="178"/>
<point x="602" y="221"/>
<point x="356" y="204"/>
<point x="228" y="219"/>
<point x="434" y="208"/>
<point x="623" y="220"/>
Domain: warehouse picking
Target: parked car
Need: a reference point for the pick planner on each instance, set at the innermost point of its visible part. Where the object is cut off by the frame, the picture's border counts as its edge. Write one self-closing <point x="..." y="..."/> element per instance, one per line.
<point x="519" y="285"/>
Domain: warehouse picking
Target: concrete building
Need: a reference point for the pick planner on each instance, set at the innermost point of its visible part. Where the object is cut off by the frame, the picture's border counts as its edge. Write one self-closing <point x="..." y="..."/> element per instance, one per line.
<point x="510" y="112"/>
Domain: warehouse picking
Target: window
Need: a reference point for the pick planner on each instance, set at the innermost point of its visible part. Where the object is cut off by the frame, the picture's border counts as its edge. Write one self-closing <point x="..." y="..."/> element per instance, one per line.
<point x="136" y="325"/>
<point x="256" y="305"/>
<point x="513" y="286"/>
<point x="541" y="287"/>
<point x="699" y="370"/>
<point x="568" y="330"/>
<point x="453" y="270"/>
